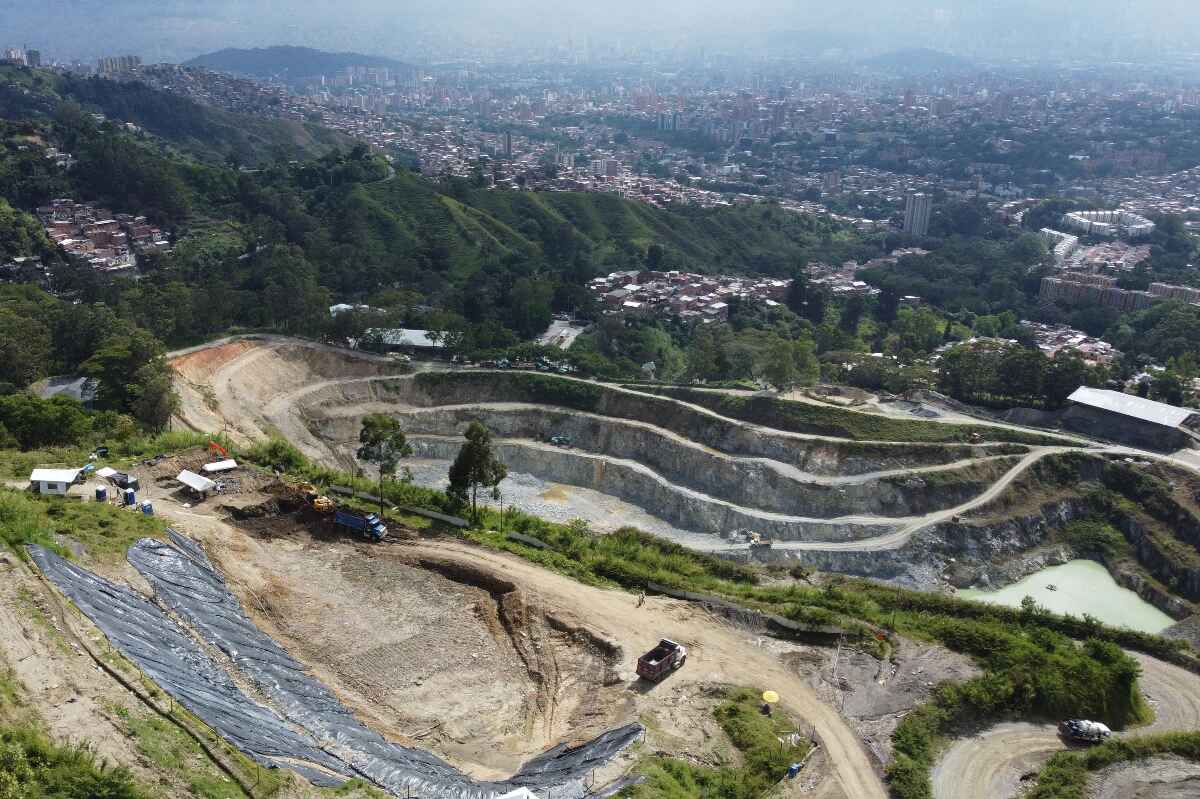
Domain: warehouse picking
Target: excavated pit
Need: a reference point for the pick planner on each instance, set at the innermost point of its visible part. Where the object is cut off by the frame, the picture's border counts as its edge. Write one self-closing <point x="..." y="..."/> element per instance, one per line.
<point x="482" y="672"/>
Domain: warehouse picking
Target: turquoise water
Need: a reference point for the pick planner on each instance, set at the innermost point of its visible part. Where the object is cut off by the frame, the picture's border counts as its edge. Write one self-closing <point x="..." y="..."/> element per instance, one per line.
<point x="1084" y="586"/>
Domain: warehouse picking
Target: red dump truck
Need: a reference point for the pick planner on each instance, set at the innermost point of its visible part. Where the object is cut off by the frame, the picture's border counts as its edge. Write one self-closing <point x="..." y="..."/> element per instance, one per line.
<point x="661" y="660"/>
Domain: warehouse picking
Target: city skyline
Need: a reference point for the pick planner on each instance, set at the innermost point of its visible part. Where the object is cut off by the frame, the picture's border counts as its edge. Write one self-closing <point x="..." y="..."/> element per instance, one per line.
<point x="1096" y="31"/>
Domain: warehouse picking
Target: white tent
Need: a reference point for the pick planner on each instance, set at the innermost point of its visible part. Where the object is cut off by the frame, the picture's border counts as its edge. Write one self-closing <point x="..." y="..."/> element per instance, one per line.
<point x="201" y="485"/>
<point x="220" y="466"/>
<point x="106" y="472"/>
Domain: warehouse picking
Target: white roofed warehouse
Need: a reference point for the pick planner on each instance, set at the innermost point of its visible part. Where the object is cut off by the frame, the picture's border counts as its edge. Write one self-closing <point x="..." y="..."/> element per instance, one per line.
<point x="1131" y="420"/>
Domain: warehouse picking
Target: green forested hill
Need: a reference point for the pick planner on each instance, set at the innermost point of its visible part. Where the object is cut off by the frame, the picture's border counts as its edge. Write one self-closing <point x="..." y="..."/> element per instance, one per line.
<point x="296" y="62"/>
<point x="274" y="248"/>
<point x="207" y="133"/>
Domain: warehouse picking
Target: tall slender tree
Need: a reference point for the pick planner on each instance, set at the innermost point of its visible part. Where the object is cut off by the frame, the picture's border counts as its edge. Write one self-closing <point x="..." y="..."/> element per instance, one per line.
<point x="383" y="443"/>
<point x="476" y="467"/>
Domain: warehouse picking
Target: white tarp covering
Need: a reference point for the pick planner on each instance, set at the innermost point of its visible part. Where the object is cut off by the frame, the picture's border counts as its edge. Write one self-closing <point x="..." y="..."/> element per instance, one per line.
<point x="220" y="466"/>
<point x="106" y="472"/>
<point x="195" y="481"/>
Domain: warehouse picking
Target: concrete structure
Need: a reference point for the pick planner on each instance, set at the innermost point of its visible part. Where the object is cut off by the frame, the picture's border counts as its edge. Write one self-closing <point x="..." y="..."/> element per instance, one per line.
<point x="1132" y="420"/>
<point x="1084" y="289"/>
<point x="917" y="208"/>
<point x="54" y="482"/>
<point x="1061" y="244"/>
<point x="1110" y="224"/>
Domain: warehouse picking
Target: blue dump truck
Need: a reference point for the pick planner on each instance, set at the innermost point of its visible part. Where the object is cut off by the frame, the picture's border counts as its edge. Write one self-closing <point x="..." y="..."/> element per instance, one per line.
<point x="368" y="525"/>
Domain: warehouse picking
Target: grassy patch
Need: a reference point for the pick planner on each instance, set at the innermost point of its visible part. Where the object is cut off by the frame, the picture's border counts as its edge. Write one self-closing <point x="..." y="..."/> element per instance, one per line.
<point x="16" y="464"/>
<point x="104" y="530"/>
<point x="171" y="751"/>
<point x="765" y="760"/>
<point x="1065" y="776"/>
<point x="31" y="766"/>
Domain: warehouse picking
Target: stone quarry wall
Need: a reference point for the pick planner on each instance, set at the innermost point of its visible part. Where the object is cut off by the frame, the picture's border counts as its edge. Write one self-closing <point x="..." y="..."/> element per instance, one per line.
<point x="640" y="486"/>
<point x="753" y="483"/>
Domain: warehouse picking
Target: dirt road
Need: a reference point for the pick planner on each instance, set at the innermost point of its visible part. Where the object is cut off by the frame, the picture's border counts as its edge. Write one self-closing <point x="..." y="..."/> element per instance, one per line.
<point x="992" y="763"/>
<point x="717" y="653"/>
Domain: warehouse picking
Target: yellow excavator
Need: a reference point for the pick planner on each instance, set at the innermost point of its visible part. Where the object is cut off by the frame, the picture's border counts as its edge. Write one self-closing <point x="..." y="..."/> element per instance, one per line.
<point x="316" y="500"/>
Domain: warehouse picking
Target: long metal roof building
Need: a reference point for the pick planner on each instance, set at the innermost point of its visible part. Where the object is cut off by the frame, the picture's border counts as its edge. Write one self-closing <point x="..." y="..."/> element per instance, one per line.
<point x="1134" y="407"/>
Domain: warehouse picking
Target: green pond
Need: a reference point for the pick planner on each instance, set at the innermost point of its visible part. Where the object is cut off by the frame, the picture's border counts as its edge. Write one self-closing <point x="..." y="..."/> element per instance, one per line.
<point x="1082" y="586"/>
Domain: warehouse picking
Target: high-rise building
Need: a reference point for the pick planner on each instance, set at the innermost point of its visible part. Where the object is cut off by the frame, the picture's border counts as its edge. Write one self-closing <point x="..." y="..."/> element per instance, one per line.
<point x="110" y="65"/>
<point x="831" y="182"/>
<point x="14" y="55"/>
<point x="33" y="58"/>
<point x="917" y="208"/>
<point x="508" y="144"/>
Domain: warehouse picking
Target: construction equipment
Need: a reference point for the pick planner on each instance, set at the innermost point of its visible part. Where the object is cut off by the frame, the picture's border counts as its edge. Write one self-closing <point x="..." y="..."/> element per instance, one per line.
<point x="367" y="525"/>
<point x="758" y="542"/>
<point x="1084" y="731"/>
<point x="660" y="661"/>
<point x="316" y="500"/>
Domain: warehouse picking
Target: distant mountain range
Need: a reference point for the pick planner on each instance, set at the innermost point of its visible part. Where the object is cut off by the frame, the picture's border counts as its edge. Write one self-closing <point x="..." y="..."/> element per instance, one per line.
<point x="287" y="62"/>
<point x="918" y="60"/>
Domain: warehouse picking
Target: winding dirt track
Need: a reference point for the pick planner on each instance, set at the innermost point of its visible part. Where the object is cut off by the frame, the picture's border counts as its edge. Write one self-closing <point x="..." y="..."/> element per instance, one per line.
<point x="992" y="763"/>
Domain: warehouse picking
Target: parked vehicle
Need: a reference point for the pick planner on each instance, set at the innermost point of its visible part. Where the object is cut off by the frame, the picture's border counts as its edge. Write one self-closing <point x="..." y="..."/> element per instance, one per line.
<point x="368" y="525"/>
<point x="560" y="441"/>
<point x="1084" y="731"/>
<point x="661" y="660"/>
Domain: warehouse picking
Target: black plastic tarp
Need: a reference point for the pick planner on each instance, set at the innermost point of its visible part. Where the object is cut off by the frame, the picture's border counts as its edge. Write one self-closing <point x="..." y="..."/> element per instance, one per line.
<point x="176" y="662"/>
<point x="186" y="582"/>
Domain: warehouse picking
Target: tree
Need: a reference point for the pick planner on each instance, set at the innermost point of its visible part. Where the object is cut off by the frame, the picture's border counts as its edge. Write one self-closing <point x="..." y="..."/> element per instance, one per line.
<point x="475" y="467"/>
<point x="852" y="313"/>
<point x="797" y="294"/>
<point x="1066" y="373"/>
<point x="155" y="400"/>
<point x="778" y="365"/>
<point x="383" y="443"/>
<point x="116" y="364"/>
<point x="1168" y="388"/>
<point x="889" y="305"/>
<point x="818" y="300"/>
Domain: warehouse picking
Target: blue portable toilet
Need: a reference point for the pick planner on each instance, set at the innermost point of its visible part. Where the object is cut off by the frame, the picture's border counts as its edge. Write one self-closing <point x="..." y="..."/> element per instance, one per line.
<point x="147" y="508"/>
<point x="794" y="769"/>
<point x="102" y="494"/>
<point x="130" y="497"/>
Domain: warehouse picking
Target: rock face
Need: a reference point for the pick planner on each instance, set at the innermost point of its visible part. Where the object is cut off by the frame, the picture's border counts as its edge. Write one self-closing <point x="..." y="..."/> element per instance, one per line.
<point x="976" y="553"/>
<point x="640" y="486"/>
<point x="813" y="455"/>
<point x="756" y="483"/>
<point x="1179" y="574"/>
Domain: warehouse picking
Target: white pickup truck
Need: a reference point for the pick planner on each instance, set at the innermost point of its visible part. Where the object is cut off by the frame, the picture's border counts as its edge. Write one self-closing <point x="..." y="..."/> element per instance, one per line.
<point x="1084" y="731"/>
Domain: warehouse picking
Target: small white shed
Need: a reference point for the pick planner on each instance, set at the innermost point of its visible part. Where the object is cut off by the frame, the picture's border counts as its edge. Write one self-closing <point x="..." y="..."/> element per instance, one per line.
<point x="220" y="466"/>
<point x="56" y="482"/>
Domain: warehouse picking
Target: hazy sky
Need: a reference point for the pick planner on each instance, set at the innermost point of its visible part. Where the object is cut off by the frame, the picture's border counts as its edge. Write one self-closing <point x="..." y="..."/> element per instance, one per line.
<point x="178" y="29"/>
